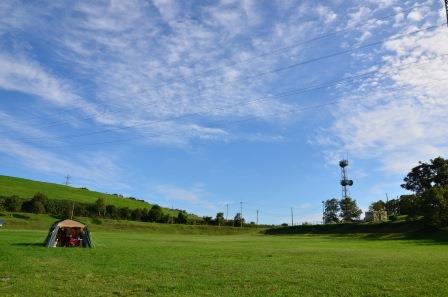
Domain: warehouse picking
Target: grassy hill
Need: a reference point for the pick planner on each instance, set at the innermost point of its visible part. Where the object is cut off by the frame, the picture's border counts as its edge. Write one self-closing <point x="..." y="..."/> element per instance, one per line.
<point x="25" y="188"/>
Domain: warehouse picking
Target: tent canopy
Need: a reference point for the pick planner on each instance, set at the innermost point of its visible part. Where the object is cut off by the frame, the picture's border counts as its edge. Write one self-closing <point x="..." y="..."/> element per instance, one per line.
<point x="70" y="224"/>
<point x="68" y="233"/>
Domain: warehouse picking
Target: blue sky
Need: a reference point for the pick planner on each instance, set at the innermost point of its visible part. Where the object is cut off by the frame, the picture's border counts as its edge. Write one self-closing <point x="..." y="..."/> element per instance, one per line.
<point x="201" y="104"/>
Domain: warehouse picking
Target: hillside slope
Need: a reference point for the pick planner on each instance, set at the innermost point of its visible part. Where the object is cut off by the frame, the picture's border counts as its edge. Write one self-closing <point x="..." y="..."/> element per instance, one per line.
<point x="26" y="188"/>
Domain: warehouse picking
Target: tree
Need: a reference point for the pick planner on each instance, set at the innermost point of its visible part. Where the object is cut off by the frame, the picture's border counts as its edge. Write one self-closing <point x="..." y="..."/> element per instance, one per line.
<point x="349" y="210"/>
<point x="112" y="211"/>
<point x="100" y="206"/>
<point x="425" y="176"/>
<point x="238" y="220"/>
<point x="155" y="213"/>
<point x="410" y="205"/>
<point x="331" y="211"/>
<point x="137" y="214"/>
<point x="37" y="206"/>
<point x="219" y="220"/>
<point x="393" y="206"/>
<point x="182" y="217"/>
<point x="207" y="220"/>
<point x="125" y="213"/>
<point x="435" y="206"/>
<point x="13" y="203"/>
<point x="377" y="206"/>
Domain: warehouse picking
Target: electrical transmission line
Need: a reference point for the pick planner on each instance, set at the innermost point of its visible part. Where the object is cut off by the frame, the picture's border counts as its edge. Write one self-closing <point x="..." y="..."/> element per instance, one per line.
<point x="310" y="60"/>
<point x="278" y="95"/>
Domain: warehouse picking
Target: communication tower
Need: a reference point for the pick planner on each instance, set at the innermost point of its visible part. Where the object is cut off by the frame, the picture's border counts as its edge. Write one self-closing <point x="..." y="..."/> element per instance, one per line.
<point x="345" y="182"/>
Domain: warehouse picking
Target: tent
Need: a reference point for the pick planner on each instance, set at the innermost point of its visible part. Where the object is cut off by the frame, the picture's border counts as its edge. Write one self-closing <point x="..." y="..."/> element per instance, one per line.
<point x="1" y="223"/>
<point x="68" y="233"/>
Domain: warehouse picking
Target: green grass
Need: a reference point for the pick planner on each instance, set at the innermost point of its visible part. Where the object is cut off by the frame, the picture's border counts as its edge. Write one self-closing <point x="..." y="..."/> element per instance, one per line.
<point x="26" y="221"/>
<point x="26" y="188"/>
<point x="144" y="263"/>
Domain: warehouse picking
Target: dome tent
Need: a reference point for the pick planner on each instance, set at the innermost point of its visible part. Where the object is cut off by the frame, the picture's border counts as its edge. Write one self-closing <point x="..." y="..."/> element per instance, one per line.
<point x="68" y="233"/>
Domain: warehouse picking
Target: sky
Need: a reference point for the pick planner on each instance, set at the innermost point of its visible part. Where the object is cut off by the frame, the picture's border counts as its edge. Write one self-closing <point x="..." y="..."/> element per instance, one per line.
<point x="201" y="104"/>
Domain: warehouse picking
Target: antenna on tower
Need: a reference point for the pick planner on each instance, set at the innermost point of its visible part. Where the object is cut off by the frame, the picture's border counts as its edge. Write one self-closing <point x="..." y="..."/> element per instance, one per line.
<point x="345" y="182"/>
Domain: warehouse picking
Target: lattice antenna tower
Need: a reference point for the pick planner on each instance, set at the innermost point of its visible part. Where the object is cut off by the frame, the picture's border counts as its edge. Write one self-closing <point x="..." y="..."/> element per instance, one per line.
<point x="345" y="182"/>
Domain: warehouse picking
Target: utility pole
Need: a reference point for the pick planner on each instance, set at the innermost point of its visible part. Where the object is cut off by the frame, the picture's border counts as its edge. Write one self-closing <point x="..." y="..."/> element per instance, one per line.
<point x="257" y="216"/>
<point x="387" y="199"/>
<point x="241" y="213"/>
<point x="323" y="212"/>
<point x="292" y="217"/>
<point x="446" y="8"/>
<point x="67" y="180"/>
<point x="172" y="216"/>
<point x="227" y="210"/>
<point x="73" y="210"/>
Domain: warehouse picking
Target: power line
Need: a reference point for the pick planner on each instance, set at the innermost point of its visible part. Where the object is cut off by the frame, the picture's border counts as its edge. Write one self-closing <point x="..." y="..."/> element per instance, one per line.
<point x="217" y="124"/>
<point x="294" y="65"/>
<point x="313" y="39"/>
<point x="342" y="52"/>
<point x="278" y="95"/>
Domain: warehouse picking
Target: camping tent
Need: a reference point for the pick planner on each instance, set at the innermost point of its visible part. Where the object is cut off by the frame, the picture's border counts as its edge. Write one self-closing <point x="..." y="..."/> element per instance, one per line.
<point x="1" y="223"/>
<point x="68" y="233"/>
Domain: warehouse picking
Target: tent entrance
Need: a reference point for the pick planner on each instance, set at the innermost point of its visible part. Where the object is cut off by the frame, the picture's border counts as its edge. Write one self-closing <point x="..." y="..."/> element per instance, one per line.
<point x="69" y="237"/>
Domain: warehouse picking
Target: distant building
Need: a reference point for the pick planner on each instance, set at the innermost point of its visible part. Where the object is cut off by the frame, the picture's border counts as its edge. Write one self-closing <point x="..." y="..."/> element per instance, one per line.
<point x="375" y="216"/>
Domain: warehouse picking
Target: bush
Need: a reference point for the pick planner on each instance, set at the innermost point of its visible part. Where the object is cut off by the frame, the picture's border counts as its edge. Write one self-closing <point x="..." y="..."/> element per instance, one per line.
<point x="13" y="203"/>
<point x="38" y="207"/>
<point x="393" y="218"/>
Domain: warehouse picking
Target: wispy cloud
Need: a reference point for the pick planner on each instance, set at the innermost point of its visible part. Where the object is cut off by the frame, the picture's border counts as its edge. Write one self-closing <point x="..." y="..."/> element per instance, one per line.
<point x="407" y="124"/>
<point x="194" y="196"/>
<point x="88" y="169"/>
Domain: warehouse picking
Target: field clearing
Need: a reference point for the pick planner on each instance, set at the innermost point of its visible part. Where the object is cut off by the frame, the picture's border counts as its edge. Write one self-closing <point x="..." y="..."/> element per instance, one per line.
<point x="151" y="264"/>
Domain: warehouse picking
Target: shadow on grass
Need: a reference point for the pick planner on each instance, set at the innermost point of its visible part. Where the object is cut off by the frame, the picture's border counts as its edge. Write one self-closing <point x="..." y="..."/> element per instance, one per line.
<point x="40" y="244"/>
<point x="20" y="216"/>
<point x="414" y="231"/>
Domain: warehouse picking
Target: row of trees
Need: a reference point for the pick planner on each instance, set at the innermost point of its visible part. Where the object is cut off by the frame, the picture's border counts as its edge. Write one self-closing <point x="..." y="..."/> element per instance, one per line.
<point x="40" y="204"/>
<point x="219" y="220"/>
<point x="63" y="208"/>
<point x="429" y="182"/>
<point x="344" y="210"/>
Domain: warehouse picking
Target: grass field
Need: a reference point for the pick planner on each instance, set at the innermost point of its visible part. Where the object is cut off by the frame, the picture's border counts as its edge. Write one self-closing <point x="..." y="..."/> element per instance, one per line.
<point x="152" y="264"/>
<point x="26" y="188"/>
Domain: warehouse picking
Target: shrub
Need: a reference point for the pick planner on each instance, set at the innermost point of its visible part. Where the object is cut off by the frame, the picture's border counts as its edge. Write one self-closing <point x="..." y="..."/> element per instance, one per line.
<point x="13" y="203"/>
<point x="393" y="218"/>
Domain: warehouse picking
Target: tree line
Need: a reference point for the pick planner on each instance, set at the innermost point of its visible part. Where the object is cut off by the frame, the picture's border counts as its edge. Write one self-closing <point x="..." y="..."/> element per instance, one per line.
<point x="40" y="204"/>
<point x="429" y="201"/>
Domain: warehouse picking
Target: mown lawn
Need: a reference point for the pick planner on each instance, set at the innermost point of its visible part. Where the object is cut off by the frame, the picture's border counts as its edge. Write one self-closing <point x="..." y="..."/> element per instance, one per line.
<point x="148" y="264"/>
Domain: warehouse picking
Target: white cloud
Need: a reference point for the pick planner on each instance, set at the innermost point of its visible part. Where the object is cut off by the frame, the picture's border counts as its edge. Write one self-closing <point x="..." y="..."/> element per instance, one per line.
<point x="196" y="195"/>
<point x="92" y="168"/>
<point x="407" y="125"/>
